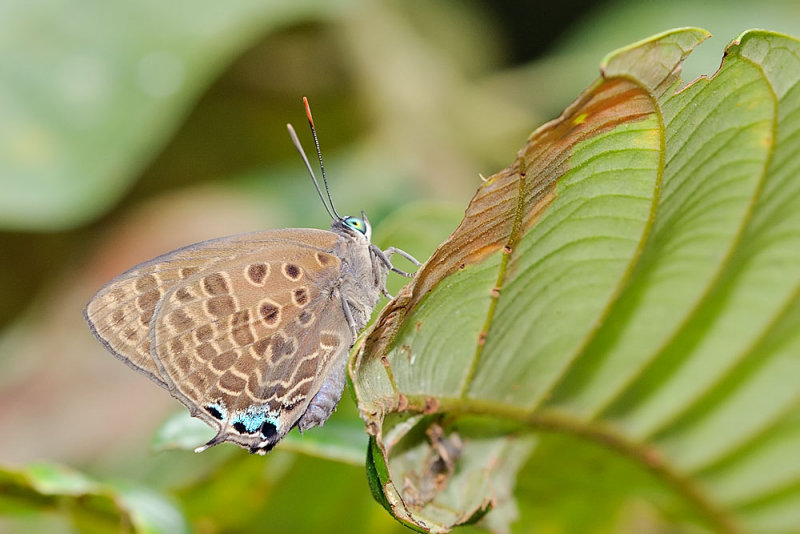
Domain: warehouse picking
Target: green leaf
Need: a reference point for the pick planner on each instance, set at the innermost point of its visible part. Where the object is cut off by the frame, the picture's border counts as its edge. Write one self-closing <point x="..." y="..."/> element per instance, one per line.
<point x="92" y="506"/>
<point x="71" y="96"/>
<point x="631" y="280"/>
<point x="182" y="431"/>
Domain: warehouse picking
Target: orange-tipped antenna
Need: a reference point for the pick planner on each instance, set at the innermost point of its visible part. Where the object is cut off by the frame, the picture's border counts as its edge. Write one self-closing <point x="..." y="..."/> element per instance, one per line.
<point x="299" y="148"/>
<point x="308" y="113"/>
<point x="319" y="156"/>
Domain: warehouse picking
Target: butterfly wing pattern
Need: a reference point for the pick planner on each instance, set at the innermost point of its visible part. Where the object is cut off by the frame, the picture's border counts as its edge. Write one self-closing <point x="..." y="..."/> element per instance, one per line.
<point x="250" y="332"/>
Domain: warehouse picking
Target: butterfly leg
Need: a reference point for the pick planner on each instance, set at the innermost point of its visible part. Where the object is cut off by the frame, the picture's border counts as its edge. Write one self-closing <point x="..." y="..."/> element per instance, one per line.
<point x="348" y="314"/>
<point x="384" y="256"/>
<point x="394" y="250"/>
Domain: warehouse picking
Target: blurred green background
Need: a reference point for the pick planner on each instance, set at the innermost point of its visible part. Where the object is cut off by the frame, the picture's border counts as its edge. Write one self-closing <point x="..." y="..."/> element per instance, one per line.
<point x="130" y="128"/>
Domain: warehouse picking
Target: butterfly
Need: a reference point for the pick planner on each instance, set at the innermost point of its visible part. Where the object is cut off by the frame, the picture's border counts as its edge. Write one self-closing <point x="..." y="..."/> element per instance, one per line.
<point x="251" y="332"/>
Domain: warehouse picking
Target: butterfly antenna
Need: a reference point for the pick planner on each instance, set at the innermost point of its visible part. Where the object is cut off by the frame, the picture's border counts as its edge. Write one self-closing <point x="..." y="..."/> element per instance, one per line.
<point x="319" y="156"/>
<point x="299" y="148"/>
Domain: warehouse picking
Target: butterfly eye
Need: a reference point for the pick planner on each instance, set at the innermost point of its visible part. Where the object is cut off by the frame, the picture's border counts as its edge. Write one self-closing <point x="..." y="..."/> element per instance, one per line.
<point x="356" y="224"/>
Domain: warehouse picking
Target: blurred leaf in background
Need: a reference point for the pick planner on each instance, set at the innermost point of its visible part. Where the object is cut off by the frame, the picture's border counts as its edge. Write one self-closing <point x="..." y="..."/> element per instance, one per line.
<point x="130" y="128"/>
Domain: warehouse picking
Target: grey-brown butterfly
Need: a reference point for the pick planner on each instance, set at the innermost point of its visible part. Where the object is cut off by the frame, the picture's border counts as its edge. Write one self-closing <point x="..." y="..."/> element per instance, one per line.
<point x="251" y="332"/>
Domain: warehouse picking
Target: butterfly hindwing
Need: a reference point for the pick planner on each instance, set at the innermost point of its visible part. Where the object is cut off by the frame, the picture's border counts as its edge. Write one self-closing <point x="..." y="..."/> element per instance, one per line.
<point x="246" y="343"/>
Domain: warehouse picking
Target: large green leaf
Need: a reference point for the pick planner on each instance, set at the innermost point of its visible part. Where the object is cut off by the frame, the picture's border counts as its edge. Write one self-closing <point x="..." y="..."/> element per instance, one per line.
<point x="81" y="118"/>
<point x="631" y="280"/>
<point x="92" y="506"/>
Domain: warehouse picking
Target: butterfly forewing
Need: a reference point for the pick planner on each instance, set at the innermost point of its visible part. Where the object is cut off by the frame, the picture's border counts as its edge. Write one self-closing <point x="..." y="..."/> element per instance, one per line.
<point x="121" y="312"/>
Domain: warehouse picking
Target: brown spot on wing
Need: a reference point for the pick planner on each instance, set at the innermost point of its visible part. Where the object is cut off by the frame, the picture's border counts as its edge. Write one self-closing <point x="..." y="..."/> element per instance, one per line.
<point x="224" y="361"/>
<point x="324" y="259"/>
<point x="184" y="364"/>
<point x="260" y="347"/>
<point x="270" y="313"/>
<point x="329" y="340"/>
<point x="240" y="328"/>
<point x="176" y="346"/>
<point x="204" y="332"/>
<point x="183" y="294"/>
<point x="130" y="334"/>
<point x="146" y="283"/>
<point x="147" y="302"/>
<point x="281" y="346"/>
<point x="220" y="306"/>
<point x="300" y="297"/>
<point x="205" y="352"/>
<point x="117" y="295"/>
<point x="305" y="318"/>
<point x="254" y="386"/>
<point x="292" y="271"/>
<point x="215" y="284"/>
<point x="246" y="364"/>
<point x="242" y="336"/>
<point x="257" y="273"/>
<point x="180" y="320"/>
<point x="116" y="318"/>
<point x="147" y="305"/>
<point x="232" y="383"/>
<point x="186" y="272"/>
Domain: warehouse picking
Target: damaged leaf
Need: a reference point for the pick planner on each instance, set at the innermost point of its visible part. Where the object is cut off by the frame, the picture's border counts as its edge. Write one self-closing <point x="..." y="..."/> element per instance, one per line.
<point x="632" y="280"/>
